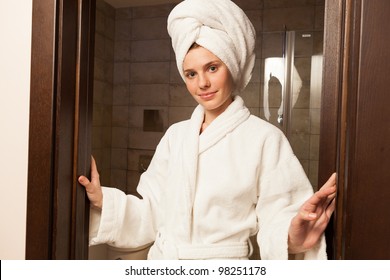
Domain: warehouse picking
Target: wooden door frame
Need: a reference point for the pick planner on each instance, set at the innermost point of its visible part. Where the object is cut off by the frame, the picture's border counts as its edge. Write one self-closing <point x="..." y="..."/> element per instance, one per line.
<point x="330" y="108"/>
<point x="60" y="127"/>
<point x="338" y="110"/>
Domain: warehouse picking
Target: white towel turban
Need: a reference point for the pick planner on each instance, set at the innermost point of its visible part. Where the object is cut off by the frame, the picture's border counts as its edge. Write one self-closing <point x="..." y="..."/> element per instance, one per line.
<point x="221" y="27"/>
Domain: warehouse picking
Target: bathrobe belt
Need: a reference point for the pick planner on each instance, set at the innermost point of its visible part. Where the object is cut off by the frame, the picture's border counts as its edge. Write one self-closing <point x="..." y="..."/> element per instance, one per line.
<point x="233" y="250"/>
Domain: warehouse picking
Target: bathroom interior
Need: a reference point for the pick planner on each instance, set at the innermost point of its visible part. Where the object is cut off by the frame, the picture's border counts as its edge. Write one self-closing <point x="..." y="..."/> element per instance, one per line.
<point x="138" y="92"/>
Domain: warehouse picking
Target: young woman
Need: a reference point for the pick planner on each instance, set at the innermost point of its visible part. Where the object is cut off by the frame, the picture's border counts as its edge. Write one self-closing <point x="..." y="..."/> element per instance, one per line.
<point x="222" y="176"/>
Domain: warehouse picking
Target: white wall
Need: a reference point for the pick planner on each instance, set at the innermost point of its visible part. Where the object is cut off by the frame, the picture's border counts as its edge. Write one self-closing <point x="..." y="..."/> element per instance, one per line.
<point x="15" y="49"/>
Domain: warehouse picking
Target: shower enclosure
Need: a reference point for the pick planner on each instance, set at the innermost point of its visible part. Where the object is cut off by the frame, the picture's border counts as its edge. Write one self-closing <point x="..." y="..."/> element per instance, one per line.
<point x="292" y="94"/>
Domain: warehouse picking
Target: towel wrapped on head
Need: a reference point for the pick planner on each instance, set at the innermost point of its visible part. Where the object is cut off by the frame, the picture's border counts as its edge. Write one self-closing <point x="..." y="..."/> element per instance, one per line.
<point x="221" y="27"/>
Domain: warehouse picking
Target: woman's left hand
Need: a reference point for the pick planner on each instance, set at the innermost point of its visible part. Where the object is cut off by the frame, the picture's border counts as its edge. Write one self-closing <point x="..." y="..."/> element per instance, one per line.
<point x="308" y="225"/>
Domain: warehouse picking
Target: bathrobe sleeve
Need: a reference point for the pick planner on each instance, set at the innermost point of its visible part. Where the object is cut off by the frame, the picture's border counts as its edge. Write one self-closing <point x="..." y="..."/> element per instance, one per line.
<point x="283" y="188"/>
<point x="127" y="221"/>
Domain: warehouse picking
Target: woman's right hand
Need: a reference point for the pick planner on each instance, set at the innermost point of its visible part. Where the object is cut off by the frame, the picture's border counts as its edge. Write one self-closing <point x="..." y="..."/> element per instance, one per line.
<point x="93" y="188"/>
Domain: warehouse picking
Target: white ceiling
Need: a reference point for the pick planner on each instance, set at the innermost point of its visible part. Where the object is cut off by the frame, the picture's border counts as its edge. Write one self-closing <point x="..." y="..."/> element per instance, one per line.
<point x="134" y="3"/>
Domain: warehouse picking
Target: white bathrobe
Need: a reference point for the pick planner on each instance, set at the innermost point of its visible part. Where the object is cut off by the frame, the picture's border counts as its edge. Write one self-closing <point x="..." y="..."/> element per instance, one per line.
<point x="205" y="194"/>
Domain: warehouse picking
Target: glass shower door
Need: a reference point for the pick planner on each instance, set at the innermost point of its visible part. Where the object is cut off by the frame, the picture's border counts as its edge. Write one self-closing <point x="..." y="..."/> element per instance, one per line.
<point x="292" y="95"/>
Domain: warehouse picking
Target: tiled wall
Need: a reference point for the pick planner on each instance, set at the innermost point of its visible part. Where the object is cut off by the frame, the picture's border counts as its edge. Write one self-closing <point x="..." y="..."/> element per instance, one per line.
<point x="147" y="89"/>
<point x="103" y="89"/>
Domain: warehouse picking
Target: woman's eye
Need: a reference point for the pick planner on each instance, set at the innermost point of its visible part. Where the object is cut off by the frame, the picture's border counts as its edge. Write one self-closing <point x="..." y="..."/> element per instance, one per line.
<point x="213" y="68"/>
<point x="190" y="74"/>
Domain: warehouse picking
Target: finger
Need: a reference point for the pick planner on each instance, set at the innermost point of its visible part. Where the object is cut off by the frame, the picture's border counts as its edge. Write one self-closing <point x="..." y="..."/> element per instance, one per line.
<point x="94" y="171"/>
<point x="84" y="181"/>
<point x="331" y="208"/>
<point x="327" y="192"/>
<point x="331" y="183"/>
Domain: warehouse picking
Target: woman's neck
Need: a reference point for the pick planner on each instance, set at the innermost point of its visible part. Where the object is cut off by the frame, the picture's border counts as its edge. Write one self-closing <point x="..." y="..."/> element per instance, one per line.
<point x="211" y="115"/>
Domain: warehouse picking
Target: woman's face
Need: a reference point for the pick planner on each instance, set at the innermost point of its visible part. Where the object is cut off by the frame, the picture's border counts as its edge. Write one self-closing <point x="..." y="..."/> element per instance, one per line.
<point x="208" y="80"/>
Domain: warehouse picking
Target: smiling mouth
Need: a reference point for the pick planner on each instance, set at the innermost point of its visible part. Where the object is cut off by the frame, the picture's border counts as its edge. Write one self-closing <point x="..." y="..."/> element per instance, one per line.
<point x="207" y="95"/>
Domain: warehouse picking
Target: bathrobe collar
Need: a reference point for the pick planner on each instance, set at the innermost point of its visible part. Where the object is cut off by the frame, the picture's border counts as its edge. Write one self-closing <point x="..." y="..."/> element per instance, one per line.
<point x="195" y="144"/>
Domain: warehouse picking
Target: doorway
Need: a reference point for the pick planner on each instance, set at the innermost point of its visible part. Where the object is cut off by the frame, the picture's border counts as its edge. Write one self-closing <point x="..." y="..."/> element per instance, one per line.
<point x="138" y="92"/>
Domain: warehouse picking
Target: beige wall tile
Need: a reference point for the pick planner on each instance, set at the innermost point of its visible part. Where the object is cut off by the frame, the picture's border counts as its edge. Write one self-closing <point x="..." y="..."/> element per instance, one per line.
<point x="120" y="137"/>
<point x="254" y="111"/>
<point x="121" y="73"/>
<point x="300" y="121"/>
<point x="97" y="115"/>
<point x="149" y="29"/>
<point x="301" y="98"/>
<point x="287" y="3"/>
<point x="99" y="45"/>
<point x="318" y="43"/>
<point x="174" y="75"/>
<point x="121" y="94"/>
<point x="100" y="22"/>
<point x="119" y="159"/>
<point x="179" y="96"/>
<point x="149" y="94"/>
<point x="122" y="51"/>
<point x="303" y="43"/>
<point x="133" y="157"/>
<point x="99" y="68"/>
<point x="142" y="140"/>
<point x="97" y="141"/>
<point x="305" y="165"/>
<point x="303" y="68"/>
<point x="108" y="91"/>
<point x="272" y="44"/>
<point x="123" y="13"/>
<point x="153" y="11"/>
<point x="249" y="4"/>
<point x="149" y="73"/>
<point x="151" y="50"/>
<point x="313" y="174"/>
<point x="256" y="18"/>
<point x="109" y="50"/>
<point x="314" y="147"/>
<point x="177" y="114"/>
<point x="320" y="17"/>
<point x="300" y="144"/>
<point x="256" y="72"/>
<point x="296" y="18"/>
<point x="119" y="179"/>
<point x="105" y="162"/>
<point x="123" y="29"/>
<point x="136" y="117"/>
<point x="133" y="178"/>
<point x="107" y="136"/>
<point x="120" y="115"/>
<point x="98" y="92"/>
<point x="110" y="27"/>
<point x="251" y="95"/>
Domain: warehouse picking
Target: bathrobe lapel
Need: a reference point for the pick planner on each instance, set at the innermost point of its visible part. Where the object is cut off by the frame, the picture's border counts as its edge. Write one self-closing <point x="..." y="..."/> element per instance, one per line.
<point x="194" y="144"/>
<point x="225" y="123"/>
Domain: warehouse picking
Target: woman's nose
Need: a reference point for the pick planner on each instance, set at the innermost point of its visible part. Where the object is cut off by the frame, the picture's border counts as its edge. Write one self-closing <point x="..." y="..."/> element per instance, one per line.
<point x="203" y="81"/>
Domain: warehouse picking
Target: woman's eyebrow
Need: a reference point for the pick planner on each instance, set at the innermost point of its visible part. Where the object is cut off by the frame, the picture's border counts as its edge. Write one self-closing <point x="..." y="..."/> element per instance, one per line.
<point x="204" y="66"/>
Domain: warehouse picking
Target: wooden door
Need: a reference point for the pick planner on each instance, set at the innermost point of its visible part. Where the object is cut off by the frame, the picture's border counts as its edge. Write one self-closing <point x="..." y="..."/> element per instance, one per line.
<point x="357" y="126"/>
<point x="60" y="120"/>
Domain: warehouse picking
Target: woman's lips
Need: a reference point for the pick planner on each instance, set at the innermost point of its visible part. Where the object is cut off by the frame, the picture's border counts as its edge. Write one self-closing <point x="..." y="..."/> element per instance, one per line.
<point x="207" y="95"/>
